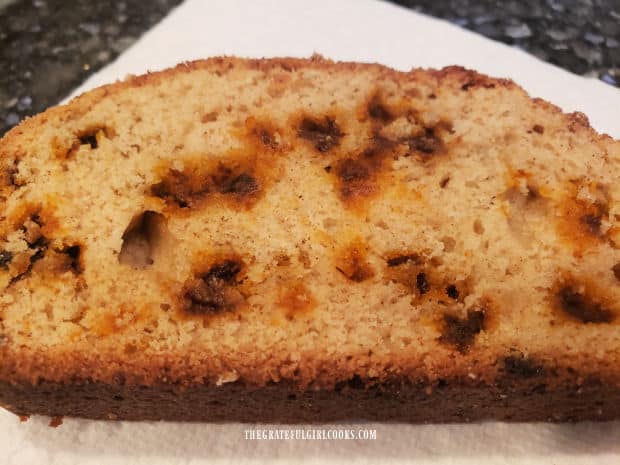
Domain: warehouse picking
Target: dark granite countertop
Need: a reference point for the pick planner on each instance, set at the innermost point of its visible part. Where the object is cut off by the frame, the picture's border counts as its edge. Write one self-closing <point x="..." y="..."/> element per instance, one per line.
<point x="48" y="47"/>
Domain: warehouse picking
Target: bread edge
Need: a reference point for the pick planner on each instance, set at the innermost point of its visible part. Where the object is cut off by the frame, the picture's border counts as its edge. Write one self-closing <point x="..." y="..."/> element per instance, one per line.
<point x="455" y="401"/>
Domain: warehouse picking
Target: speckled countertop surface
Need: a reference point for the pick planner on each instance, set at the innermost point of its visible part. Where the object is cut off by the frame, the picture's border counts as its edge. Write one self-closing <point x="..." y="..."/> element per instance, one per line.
<point x="48" y="47"/>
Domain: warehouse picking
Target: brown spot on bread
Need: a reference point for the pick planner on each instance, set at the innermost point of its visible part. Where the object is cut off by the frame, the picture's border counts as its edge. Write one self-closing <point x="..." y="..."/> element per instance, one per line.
<point x="57" y="261"/>
<point x="426" y="144"/>
<point x="574" y="301"/>
<point x="215" y="290"/>
<point x="202" y="182"/>
<point x="60" y="151"/>
<point x="470" y="79"/>
<point x="538" y="129"/>
<point x="228" y="182"/>
<point x="461" y="332"/>
<point x="73" y="258"/>
<point x="263" y="131"/>
<point x="36" y="226"/>
<point x="521" y="366"/>
<point x="426" y="278"/>
<point x="324" y="133"/>
<point x="533" y="193"/>
<point x="32" y="232"/>
<point x="25" y="267"/>
<point x="304" y="258"/>
<point x="422" y="283"/>
<point x="35" y="223"/>
<point x="357" y="177"/>
<point x="5" y="259"/>
<point x="398" y="260"/>
<point x="404" y="268"/>
<point x="9" y="175"/>
<point x="592" y="222"/>
<point x="379" y="148"/>
<point x="351" y="262"/>
<point x="178" y="187"/>
<point x="616" y="270"/>
<point x="581" y="219"/>
<point x="449" y="243"/>
<point x="350" y="170"/>
<point x="424" y="139"/>
<point x="379" y="111"/>
<point x="354" y="176"/>
<point x="90" y="137"/>
<point x="477" y="83"/>
<point x="478" y="227"/>
<point x="43" y="256"/>
<point x="267" y="138"/>
<point x="209" y="117"/>
<point x="452" y="292"/>
<point x="296" y="299"/>
<point x="282" y="259"/>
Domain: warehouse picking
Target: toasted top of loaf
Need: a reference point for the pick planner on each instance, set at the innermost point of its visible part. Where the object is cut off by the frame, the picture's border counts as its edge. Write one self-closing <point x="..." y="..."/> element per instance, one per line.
<point x="311" y="221"/>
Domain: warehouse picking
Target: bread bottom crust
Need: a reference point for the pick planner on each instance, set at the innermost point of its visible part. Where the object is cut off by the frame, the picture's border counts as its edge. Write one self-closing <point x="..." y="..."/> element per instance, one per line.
<point x="279" y="403"/>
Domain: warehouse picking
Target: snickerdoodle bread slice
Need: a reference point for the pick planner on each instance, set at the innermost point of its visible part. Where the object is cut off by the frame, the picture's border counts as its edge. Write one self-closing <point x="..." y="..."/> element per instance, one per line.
<point x="304" y="240"/>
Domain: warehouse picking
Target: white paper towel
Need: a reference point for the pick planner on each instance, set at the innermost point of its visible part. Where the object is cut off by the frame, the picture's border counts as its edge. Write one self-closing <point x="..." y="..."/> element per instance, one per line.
<point x="361" y="30"/>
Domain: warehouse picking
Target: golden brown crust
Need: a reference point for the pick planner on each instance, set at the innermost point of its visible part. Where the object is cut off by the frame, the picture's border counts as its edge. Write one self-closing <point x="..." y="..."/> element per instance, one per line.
<point x="458" y="74"/>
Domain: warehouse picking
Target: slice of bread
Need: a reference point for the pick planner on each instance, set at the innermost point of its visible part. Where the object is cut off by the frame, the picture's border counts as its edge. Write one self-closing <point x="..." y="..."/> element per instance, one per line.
<point x="300" y="240"/>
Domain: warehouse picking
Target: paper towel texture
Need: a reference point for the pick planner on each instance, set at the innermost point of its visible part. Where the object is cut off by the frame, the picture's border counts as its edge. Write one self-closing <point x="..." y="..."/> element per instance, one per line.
<point x="360" y="30"/>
